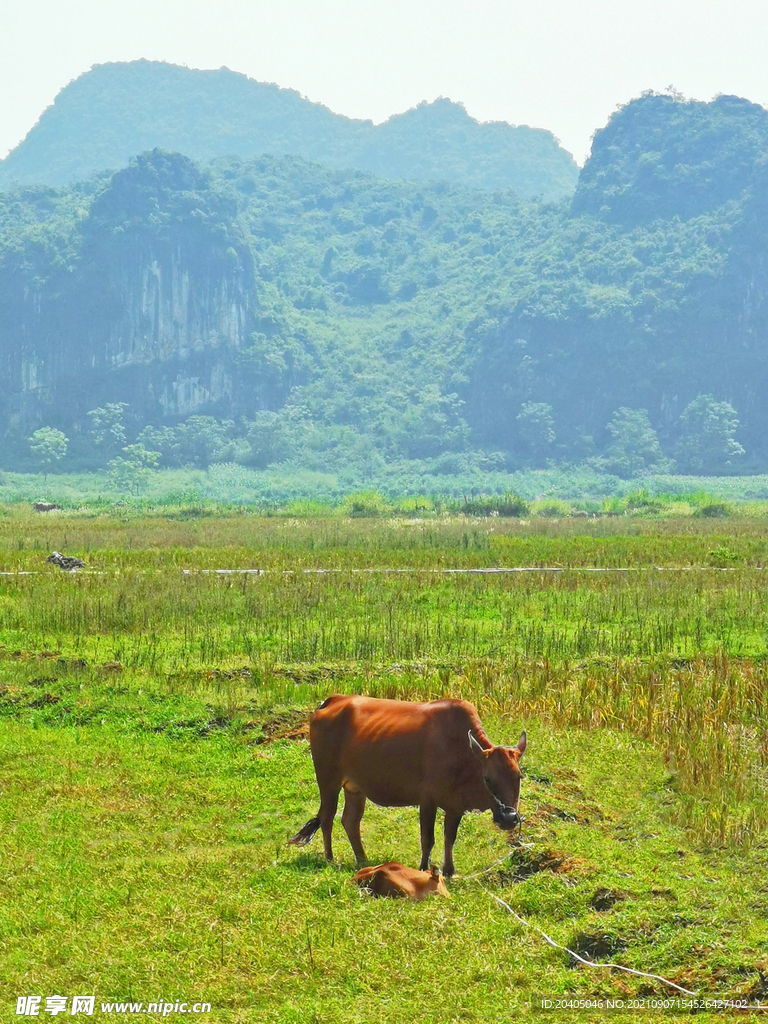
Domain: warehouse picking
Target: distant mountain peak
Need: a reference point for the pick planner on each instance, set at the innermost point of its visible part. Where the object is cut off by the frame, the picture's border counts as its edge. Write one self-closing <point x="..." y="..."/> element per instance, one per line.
<point x="117" y="110"/>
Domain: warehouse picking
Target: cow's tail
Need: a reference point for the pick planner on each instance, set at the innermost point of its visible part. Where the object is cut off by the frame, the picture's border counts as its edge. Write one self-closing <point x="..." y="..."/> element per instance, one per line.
<point x="304" y="835"/>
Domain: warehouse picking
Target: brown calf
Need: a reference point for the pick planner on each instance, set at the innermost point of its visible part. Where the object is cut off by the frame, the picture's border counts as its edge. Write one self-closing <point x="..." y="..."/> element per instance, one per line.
<point x="395" y="879"/>
<point x="402" y="754"/>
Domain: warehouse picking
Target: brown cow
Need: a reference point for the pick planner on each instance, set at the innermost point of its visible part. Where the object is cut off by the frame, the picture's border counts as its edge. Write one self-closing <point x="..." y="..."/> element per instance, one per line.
<point x="401" y="754"/>
<point x="395" y="879"/>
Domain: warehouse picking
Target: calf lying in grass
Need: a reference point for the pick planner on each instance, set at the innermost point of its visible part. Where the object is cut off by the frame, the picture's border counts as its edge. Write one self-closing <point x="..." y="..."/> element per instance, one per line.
<point x="395" y="879"/>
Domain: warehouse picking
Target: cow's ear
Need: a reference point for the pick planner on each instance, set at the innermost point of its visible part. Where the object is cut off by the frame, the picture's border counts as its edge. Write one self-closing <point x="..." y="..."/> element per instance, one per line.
<point x="522" y="743"/>
<point x="434" y="871"/>
<point x="474" y="746"/>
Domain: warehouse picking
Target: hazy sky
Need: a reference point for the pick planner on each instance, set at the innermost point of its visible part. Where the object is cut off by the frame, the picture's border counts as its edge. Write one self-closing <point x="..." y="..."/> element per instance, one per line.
<point x="558" y="64"/>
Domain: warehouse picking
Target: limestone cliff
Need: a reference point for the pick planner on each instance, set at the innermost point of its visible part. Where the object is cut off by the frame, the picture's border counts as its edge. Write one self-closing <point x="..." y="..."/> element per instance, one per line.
<point x="151" y="312"/>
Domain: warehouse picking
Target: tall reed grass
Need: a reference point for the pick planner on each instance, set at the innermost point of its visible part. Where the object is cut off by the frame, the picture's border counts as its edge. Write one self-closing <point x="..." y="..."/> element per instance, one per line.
<point x="675" y="657"/>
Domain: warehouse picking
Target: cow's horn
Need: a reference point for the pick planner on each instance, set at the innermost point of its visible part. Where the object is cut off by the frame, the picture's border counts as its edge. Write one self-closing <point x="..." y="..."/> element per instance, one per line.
<point x="474" y="745"/>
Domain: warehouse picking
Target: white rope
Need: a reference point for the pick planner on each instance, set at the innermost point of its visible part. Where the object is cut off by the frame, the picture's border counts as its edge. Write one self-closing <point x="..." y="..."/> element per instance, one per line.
<point x="587" y="963"/>
<point x="485" y="871"/>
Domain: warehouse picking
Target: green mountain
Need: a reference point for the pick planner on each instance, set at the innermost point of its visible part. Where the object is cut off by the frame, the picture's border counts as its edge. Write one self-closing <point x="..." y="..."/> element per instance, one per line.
<point x="114" y="111"/>
<point x="274" y="310"/>
<point x="659" y="156"/>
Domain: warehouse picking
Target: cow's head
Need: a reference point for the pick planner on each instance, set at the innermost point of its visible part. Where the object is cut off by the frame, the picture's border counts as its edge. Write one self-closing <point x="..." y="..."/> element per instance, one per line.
<point x="436" y="882"/>
<point x="501" y="775"/>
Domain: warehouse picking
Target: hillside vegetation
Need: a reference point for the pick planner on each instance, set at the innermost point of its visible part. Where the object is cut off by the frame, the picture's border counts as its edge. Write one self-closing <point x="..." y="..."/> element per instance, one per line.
<point x="275" y="312"/>
<point x="114" y="111"/>
<point x="662" y="157"/>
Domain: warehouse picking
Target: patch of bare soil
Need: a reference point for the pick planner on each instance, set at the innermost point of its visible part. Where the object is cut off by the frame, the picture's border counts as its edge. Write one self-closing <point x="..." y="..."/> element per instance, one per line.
<point x="45" y="700"/>
<point x="312" y="676"/>
<point x="606" y="899"/>
<point x="288" y="725"/>
<point x="524" y="863"/>
<point x="549" y="812"/>
<point x="584" y="813"/>
<point x="758" y="990"/>
<point x="234" y="673"/>
<point x="597" y="945"/>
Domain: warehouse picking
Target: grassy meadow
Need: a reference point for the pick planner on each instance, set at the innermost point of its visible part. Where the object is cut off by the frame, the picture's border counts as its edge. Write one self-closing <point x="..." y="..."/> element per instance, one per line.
<point x="154" y="760"/>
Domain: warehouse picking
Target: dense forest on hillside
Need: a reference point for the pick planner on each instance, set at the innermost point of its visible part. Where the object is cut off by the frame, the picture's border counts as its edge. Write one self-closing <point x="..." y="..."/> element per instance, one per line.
<point x="114" y="111"/>
<point x="272" y="311"/>
<point x="662" y="157"/>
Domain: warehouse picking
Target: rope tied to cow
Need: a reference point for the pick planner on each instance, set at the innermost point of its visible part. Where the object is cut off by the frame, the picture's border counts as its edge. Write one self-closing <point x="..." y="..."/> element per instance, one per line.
<point x="556" y="945"/>
<point x="496" y="863"/>
<point x="548" y="938"/>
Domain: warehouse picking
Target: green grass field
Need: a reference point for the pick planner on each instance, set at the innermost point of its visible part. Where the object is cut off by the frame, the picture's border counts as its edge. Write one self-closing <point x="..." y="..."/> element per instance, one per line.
<point x="154" y="761"/>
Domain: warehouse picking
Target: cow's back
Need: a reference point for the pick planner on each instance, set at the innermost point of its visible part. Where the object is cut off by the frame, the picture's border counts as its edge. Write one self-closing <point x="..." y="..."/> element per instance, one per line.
<point x="400" y="753"/>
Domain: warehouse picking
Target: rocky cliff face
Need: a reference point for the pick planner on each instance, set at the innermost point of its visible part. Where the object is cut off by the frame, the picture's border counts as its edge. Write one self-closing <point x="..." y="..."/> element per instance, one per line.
<point x="152" y="311"/>
<point x="183" y="325"/>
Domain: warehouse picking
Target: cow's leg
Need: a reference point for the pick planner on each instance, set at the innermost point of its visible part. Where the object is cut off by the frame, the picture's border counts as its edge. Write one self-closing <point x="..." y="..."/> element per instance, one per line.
<point x="450" y="830"/>
<point x="329" y="801"/>
<point x="354" y="805"/>
<point x="427" y="813"/>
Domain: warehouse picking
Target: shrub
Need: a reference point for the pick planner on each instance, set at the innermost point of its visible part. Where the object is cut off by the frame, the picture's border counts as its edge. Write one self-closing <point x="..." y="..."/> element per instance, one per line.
<point x="508" y="504"/>
<point x="551" y="509"/>
<point x="364" y="504"/>
<point x="715" y="510"/>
